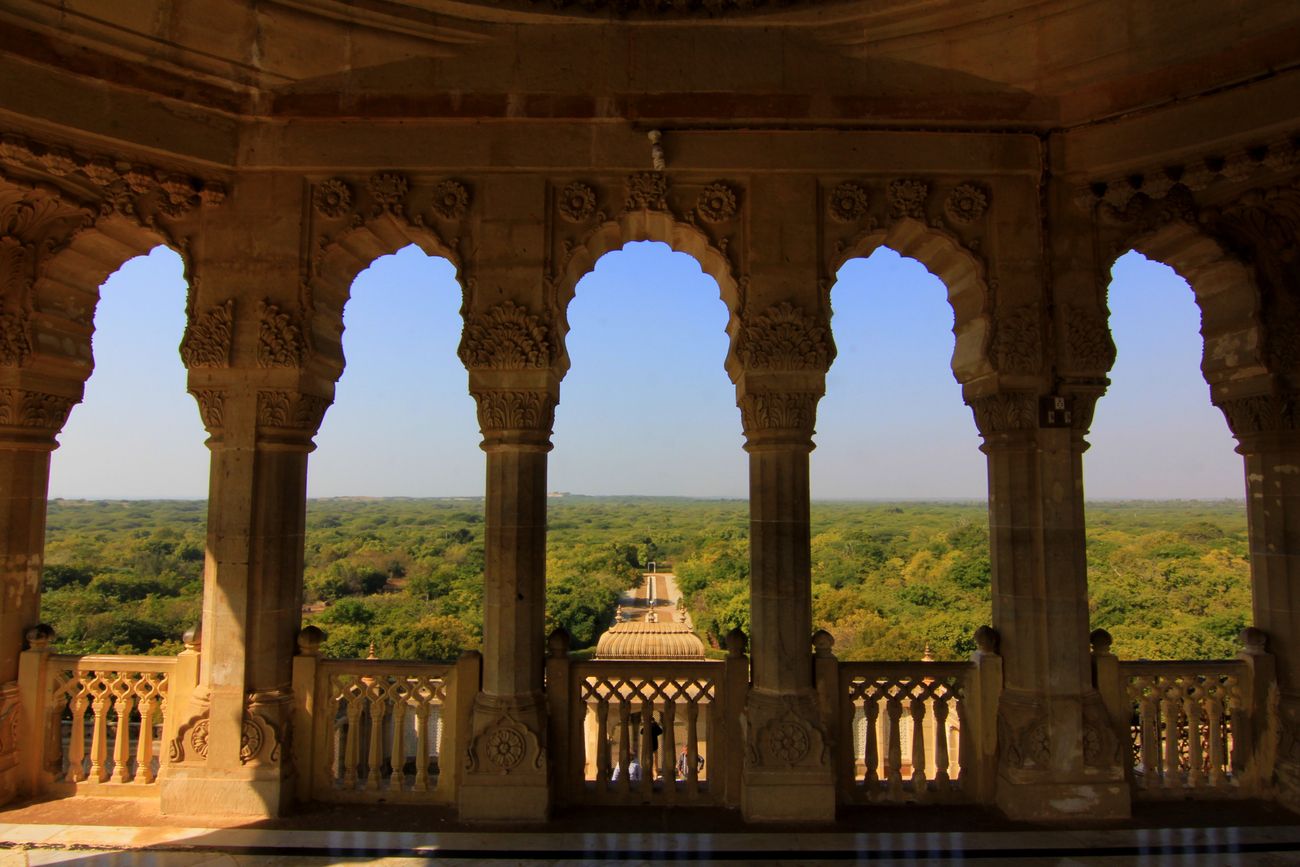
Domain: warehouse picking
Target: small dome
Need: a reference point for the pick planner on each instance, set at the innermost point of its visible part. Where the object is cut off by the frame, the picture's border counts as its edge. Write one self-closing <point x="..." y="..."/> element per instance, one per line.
<point x="649" y="640"/>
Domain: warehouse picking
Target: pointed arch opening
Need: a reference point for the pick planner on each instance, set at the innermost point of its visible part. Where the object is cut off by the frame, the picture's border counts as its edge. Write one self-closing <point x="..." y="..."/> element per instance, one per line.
<point x="124" y="574"/>
<point x="394" y="559"/>
<point x="899" y="521"/>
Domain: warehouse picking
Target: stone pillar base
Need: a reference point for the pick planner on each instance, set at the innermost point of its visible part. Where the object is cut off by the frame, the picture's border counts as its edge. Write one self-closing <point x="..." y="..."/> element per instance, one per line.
<point x="505" y="776"/>
<point x="1064" y="802"/>
<point x="195" y="792"/>
<point x="787" y="775"/>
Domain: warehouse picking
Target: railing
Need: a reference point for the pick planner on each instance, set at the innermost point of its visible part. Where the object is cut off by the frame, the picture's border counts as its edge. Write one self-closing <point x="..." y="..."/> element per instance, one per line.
<point x="1192" y="729"/>
<point x="905" y="723"/>
<point x="377" y="730"/>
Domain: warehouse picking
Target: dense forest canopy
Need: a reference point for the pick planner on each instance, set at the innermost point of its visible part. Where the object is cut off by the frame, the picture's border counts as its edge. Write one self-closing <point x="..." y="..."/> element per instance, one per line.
<point x="1169" y="580"/>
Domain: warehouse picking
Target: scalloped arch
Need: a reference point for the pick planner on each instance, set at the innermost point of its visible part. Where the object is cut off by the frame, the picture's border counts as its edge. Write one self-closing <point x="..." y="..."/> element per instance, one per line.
<point x="338" y="264"/>
<point x="962" y="273"/>
<point x="659" y="226"/>
<point x="1226" y="293"/>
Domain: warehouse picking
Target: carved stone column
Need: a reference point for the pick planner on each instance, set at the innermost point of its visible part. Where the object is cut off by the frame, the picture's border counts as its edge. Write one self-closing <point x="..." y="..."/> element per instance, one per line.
<point x="788" y="774"/>
<point x="506" y="776"/>
<point x="1267" y="428"/>
<point x="1058" y="754"/>
<point x="29" y="421"/>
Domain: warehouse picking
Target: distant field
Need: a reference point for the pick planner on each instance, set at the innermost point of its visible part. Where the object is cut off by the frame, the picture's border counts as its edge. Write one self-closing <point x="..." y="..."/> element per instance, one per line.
<point x="1168" y="579"/>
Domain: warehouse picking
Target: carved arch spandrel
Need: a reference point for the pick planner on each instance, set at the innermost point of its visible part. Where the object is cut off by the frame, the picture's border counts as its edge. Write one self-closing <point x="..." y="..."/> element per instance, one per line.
<point x="646" y="225"/>
<point x="963" y="274"/>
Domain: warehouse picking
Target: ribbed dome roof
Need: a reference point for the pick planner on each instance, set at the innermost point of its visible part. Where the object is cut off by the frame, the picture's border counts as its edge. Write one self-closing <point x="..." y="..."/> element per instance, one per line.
<point x="642" y="640"/>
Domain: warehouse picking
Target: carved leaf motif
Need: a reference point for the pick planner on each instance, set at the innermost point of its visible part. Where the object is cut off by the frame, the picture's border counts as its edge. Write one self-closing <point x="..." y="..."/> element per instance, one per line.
<point x="1088" y="340"/>
<point x="211" y="406"/>
<point x="515" y="410"/>
<point x="208" y="339"/>
<point x="779" y="411"/>
<point x="1262" y="413"/>
<point x="33" y="409"/>
<point x="906" y="197"/>
<point x="280" y="338"/>
<point x="273" y="408"/>
<point x="647" y="191"/>
<point x="506" y="337"/>
<point x="179" y="195"/>
<point x="1005" y="411"/>
<point x="1284" y="344"/>
<point x="783" y="337"/>
<point x="389" y="192"/>
<point x="1019" y="346"/>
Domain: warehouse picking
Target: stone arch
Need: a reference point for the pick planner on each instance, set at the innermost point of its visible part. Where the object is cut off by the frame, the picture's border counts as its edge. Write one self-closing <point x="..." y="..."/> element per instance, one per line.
<point x="1226" y="293"/>
<point x="962" y="272"/>
<point x="340" y="261"/>
<point x="646" y="225"/>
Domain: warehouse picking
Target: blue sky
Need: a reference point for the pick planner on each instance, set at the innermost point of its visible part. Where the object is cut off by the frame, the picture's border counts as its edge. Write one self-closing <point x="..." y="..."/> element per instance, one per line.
<point x="647" y="407"/>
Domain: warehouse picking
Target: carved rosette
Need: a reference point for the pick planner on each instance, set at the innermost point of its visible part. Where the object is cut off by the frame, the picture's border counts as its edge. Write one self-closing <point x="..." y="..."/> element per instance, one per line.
<point x="906" y="198"/>
<point x="506" y="337"/>
<point x="505" y="746"/>
<point x="332" y="198"/>
<point x="716" y="203"/>
<point x="450" y="200"/>
<point x="784" y="337"/>
<point x="281" y="342"/>
<point x="1005" y="412"/>
<point x="647" y="191"/>
<point x="515" y="410"/>
<point x="1101" y="746"/>
<point x="1018" y="346"/>
<point x="191" y="741"/>
<point x="784" y="735"/>
<point x="288" y="410"/>
<point x="577" y="202"/>
<point x="33" y="409"/>
<point x="847" y="203"/>
<point x="966" y="203"/>
<point x="1088" y="340"/>
<point x="1023" y="739"/>
<point x="209" y="337"/>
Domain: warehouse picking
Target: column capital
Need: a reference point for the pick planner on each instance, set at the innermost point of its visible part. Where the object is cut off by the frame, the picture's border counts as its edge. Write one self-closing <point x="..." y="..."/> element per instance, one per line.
<point x="282" y="408"/>
<point x="515" y="407"/>
<point x="1263" y="422"/>
<point x="31" y="417"/>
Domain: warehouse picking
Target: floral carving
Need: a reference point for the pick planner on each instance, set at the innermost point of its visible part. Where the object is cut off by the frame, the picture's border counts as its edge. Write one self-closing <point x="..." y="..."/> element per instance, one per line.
<point x="389" y="192"/>
<point x="779" y="411"/>
<point x="1005" y="411"/>
<point x="179" y="195"/>
<point x="1262" y="413"/>
<point x="847" y="202"/>
<point x="250" y="741"/>
<point x="1019" y="347"/>
<point x="788" y="741"/>
<point x="783" y="337"/>
<point x="966" y="203"/>
<point x="332" y="198"/>
<point x="504" y="748"/>
<point x="33" y="409"/>
<point x="284" y="409"/>
<point x="199" y="738"/>
<point x="577" y="202"/>
<point x="280" y="339"/>
<point x="58" y="162"/>
<point x="647" y="191"/>
<point x="515" y="410"/>
<point x="101" y="172"/>
<point x="273" y="408"/>
<point x="15" y="345"/>
<point x="450" y="200"/>
<point x="208" y="339"/>
<point x="716" y="203"/>
<point x="906" y="198"/>
<point x="506" y="337"/>
<point x="1283" y="340"/>
<point x="1089" y="340"/>
<point x="211" y="406"/>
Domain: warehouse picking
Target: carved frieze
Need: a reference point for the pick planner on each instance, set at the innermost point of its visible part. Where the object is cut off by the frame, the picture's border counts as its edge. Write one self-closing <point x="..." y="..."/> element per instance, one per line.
<point x="209" y="336"/>
<point x="647" y="191"/>
<point x="506" y="337"/>
<point x="1018" y="346"/>
<point x="32" y="409"/>
<point x="1088" y="339"/>
<point x="1261" y="413"/>
<point x="280" y="342"/>
<point x="764" y="411"/>
<point x="784" y="337"/>
<point x="1004" y="412"/>
<point x="515" y="410"/>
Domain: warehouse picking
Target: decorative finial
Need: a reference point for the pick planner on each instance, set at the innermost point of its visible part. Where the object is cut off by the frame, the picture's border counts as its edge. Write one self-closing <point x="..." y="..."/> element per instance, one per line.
<point x="926" y="655"/>
<point x="657" y="160"/>
<point x="371" y="653"/>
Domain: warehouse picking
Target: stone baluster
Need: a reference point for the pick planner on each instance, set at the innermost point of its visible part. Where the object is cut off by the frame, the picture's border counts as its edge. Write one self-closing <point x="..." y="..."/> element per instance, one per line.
<point x="1055" y="737"/>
